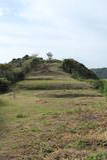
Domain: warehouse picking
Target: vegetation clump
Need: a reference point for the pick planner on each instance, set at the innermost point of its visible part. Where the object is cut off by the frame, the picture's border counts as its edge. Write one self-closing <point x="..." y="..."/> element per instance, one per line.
<point x="78" y="70"/>
<point x="99" y="156"/>
<point x="16" y="70"/>
<point x="4" y="85"/>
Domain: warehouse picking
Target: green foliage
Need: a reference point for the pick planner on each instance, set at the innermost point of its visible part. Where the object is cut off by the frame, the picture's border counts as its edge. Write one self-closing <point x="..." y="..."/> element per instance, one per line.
<point x="26" y="66"/>
<point x="99" y="156"/>
<point x="36" y="61"/>
<point x="26" y="57"/>
<point x="51" y="85"/>
<point x="77" y="70"/>
<point x="16" y="62"/>
<point x="19" y="61"/>
<point x="35" y="130"/>
<point x="15" y="75"/>
<point x="4" y="85"/>
<point x="103" y="89"/>
<point x="101" y="85"/>
<point x="20" y="116"/>
<point x="31" y="64"/>
<point x="97" y="84"/>
<point x="81" y="144"/>
<point x="16" y="70"/>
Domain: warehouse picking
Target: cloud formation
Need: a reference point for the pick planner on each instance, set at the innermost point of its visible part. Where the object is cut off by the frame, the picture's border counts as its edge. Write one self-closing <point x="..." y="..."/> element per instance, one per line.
<point x="68" y="28"/>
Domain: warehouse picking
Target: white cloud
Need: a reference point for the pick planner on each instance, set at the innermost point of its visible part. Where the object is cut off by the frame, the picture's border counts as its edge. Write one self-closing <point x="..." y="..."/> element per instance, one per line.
<point x="4" y="11"/>
<point x="1" y="12"/>
<point x="68" y="28"/>
<point x="36" y="10"/>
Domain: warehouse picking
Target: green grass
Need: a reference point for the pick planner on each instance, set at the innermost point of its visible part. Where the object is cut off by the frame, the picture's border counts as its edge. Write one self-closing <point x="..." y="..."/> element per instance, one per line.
<point x="104" y="87"/>
<point x="37" y="123"/>
<point x="3" y="103"/>
<point x="99" y="156"/>
<point x="52" y="84"/>
<point x="88" y="125"/>
<point x="81" y="144"/>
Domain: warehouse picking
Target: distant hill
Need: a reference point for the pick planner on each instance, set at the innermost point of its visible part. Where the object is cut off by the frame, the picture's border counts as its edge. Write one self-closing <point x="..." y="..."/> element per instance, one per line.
<point x="100" y="72"/>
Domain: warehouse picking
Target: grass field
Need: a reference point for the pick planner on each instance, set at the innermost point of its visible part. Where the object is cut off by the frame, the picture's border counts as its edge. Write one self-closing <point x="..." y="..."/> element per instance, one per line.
<point x="52" y="84"/>
<point x="40" y="123"/>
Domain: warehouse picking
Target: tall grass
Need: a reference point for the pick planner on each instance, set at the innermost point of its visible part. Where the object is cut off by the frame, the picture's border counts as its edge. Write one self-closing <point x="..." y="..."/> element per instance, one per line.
<point x="99" y="156"/>
<point x="52" y="84"/>
<point x="97" y="84"/>
<point x="2" y="102"/>
<point x="103" y="87"/>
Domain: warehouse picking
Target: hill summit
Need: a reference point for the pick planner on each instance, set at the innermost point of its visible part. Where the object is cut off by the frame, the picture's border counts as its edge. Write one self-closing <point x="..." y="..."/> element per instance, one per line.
<point x="67" y="67"/>
<point x="19" y="68"/>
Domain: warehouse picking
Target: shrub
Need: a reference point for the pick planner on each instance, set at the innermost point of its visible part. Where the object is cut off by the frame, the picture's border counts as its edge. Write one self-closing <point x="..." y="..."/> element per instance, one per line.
<point x="15" y="75"/>
<point x="20" y="116"/>
<point x="77" y="69"/>
<point x="104" y="87"/>
<point x="4" y="85"/>
<point x="36" y="61"/>
<point x="82" y="144"/>
<point x="16" y="70"/>
<point x="97" y="84"/>
<point x="31" y="64"/>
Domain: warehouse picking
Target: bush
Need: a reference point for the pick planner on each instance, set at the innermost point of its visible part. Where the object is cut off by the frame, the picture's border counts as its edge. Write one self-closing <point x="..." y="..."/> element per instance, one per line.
<point x="97" y="84"/>
<point x="4" y="85"/>
<point x="31" y="64"/>
<point x="77" y="69"/>
<point x="20" y="116"/>
<point x="36" y="61"/>
<point x="15" y="75"/>
<point x="104" y="87"/>
<point x="17" y="69"/>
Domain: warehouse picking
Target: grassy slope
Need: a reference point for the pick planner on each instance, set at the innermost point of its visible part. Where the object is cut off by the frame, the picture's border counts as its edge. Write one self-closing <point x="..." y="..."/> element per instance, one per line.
<point x="53" y="124"/>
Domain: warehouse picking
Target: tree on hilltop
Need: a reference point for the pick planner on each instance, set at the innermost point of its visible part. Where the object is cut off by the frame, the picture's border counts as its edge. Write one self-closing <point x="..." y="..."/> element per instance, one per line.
<point x="50" y="55"/>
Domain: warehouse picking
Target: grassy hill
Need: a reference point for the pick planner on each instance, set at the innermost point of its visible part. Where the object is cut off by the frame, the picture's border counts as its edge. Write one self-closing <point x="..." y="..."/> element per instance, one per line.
<point x="30" y="67"/>
<point x="50" y="115"/>
<point x="51" y="76"/>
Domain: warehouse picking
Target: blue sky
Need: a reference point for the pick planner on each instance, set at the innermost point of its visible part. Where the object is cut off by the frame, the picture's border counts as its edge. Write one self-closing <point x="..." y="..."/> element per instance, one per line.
<point x="68" y="28"/>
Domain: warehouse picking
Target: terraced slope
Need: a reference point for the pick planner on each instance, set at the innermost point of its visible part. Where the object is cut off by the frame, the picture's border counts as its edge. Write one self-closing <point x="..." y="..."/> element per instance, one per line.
<point x="51" y="77"/>
<point x="53" y="117"/>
